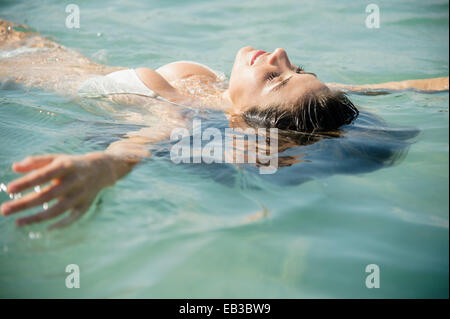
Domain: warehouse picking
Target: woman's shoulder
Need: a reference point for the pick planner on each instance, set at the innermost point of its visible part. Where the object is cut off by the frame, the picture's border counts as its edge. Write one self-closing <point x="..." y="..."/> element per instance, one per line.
<point x="184" y="69"/>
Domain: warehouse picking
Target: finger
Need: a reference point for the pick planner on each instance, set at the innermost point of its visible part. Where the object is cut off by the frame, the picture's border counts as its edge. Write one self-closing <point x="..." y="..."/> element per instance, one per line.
<point x="60" y="207"/>
<point x="34" y="199"/>
<point x="74" y="215"/>
<point x="33" y="162"/>
<point x="38" y="177"/>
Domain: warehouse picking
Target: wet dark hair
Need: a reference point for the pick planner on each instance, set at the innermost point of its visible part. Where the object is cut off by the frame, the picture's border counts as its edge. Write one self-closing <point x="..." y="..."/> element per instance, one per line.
<point x="322" y="111"/>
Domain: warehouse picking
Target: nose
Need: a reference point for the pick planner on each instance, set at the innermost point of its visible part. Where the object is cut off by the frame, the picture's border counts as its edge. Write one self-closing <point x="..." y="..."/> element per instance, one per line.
<point x="276" y="56"/>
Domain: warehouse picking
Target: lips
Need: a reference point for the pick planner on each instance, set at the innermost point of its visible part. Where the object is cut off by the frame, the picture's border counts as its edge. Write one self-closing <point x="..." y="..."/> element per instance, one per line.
<point x="256" y="55"/>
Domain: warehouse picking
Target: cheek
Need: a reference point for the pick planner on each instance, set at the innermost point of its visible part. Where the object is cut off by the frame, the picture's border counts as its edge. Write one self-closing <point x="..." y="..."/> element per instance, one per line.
<point x="243" y="87"/>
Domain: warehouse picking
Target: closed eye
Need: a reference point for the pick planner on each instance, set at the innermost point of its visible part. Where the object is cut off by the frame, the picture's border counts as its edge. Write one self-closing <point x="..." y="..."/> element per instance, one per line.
<point x="301" y="70"/>
<point x="282" y="83"/>
<point x="270" y="76"/>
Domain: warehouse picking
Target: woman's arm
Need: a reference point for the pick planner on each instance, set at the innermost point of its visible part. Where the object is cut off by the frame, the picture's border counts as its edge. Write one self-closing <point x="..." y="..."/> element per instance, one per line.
<point x="426" y="85"/>
<point x="74" y="180"/>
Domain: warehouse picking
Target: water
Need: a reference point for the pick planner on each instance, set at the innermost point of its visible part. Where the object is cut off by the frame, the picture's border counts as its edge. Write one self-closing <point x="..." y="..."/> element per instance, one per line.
<point x="171" y="230"/>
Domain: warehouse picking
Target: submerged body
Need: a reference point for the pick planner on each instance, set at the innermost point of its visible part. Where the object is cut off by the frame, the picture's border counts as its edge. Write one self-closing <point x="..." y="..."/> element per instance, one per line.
<point x="259" y="79"/>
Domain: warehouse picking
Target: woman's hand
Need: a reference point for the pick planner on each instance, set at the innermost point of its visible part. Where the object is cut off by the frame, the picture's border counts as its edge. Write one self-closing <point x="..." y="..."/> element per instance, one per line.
<point x="75" y="180"/>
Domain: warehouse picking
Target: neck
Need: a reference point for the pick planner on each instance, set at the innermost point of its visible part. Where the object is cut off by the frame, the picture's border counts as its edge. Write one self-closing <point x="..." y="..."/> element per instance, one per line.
<point x="228" y="105"/>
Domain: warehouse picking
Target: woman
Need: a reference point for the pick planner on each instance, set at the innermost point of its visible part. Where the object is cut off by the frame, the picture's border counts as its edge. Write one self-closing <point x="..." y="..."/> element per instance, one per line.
<point x="265" y="89"/>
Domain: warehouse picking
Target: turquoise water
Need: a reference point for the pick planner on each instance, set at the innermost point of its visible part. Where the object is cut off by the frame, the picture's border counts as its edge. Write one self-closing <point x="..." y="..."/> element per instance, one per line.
<point x="169" y="230"/>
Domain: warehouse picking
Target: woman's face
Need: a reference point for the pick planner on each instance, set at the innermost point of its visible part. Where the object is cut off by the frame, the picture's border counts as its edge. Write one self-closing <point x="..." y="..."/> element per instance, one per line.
<point x="260" y="78"/>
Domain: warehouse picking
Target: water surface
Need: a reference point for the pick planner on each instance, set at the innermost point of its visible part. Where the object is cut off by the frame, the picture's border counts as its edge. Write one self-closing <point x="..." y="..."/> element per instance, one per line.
<point x="189" y="231"/>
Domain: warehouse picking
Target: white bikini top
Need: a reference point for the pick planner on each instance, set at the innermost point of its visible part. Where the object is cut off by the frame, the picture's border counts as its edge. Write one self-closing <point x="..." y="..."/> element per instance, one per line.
<point x="119" y="82"/>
